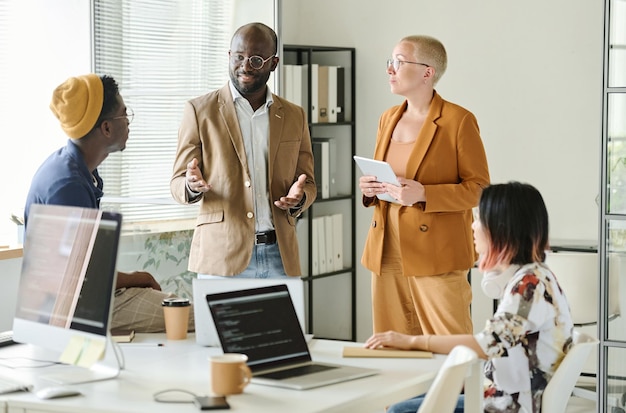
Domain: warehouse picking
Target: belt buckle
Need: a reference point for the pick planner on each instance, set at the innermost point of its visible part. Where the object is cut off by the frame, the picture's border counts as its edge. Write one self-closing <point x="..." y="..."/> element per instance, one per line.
<point x="260" y="238"/>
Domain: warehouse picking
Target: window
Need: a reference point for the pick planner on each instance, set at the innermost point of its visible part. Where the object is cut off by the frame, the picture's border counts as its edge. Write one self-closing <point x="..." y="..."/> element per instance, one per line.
<point x="161" y="53"/>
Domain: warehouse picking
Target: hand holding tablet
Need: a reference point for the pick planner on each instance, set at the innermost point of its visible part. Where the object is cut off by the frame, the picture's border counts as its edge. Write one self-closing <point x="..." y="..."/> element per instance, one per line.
<point x="381" y="170"/>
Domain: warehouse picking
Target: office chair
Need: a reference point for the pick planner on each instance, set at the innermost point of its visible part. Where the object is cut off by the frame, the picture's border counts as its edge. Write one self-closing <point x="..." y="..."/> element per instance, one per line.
<point x="577" y="274"/>
<point x="560" y="387"/>
<point x="443" y="394"/>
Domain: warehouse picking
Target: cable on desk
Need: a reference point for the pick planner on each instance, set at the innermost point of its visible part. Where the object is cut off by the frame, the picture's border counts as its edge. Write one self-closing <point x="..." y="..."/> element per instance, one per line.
<point x="157" y="396"/>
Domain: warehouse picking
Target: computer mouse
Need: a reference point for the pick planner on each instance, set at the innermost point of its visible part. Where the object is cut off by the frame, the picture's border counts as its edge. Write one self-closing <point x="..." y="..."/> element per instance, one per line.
<point x="56" y="392"/>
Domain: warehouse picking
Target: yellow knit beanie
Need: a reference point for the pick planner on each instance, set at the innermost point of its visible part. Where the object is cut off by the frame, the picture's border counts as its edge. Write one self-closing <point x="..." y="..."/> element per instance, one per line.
<point x="77" y="103"/>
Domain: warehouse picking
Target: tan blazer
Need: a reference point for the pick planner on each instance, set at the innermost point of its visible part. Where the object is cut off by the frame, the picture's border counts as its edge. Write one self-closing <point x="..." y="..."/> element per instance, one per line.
<point x="224" y="235"/>
<point x="449" y="159"/>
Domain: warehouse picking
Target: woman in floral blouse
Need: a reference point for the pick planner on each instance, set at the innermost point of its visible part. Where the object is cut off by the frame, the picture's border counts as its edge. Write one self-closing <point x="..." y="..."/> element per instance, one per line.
<point x="531" y="330"/>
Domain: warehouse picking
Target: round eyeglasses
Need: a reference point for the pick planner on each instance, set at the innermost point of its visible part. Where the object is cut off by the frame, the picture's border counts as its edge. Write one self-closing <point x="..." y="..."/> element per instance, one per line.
<point x="396" y="63"/>
<point x="129" y="116"/>
<point x="256" y="62"/>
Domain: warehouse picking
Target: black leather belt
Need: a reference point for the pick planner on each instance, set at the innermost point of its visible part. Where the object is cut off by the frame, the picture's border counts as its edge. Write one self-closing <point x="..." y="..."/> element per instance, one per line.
<point x="268" y="237"/>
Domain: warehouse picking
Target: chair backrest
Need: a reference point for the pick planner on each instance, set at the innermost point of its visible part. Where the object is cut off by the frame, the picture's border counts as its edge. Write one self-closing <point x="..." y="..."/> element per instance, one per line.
<point x="577" y="273"/>
<point x="559" y="388"/>
<point x="443" y="394"/>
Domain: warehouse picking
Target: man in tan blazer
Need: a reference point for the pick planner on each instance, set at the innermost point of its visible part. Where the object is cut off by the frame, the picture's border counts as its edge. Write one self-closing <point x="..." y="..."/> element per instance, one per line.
<point x="245" y="155"/>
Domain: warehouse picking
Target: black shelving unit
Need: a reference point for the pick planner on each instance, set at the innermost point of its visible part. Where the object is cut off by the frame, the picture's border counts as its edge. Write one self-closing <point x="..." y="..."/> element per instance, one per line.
<point x="331" y="295"/>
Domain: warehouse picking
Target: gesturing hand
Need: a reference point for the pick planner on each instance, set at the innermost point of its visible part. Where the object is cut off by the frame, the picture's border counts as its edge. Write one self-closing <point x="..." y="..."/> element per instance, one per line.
<point x="195" y="182"/>
<point x="293" y="198"/>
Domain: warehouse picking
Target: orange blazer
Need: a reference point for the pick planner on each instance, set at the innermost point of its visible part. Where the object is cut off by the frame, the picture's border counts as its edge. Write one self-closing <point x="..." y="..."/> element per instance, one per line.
<point x="224" y="235"/>
<point x="449" y="159"/>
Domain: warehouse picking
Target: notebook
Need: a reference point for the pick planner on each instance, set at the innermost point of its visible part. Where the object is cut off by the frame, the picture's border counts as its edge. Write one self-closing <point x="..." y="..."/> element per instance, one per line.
<point x="262" y="323"/>
<point x="205" y="328"/>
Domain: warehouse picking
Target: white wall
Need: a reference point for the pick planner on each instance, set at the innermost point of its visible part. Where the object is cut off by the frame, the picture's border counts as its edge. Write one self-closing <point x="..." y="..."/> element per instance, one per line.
<point x="530" y="71"/>
<point x="54" y="45"/>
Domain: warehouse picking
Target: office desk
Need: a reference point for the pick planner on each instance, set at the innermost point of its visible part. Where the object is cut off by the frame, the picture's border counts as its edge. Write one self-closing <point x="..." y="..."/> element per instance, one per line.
<point x="184" y="365"/>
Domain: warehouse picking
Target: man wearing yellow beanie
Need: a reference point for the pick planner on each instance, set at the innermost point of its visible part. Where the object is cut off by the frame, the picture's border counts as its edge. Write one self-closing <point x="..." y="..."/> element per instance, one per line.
<point x="92" y="113"/>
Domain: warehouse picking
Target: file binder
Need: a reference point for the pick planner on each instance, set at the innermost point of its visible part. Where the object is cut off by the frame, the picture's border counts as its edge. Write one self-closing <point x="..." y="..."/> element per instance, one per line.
<point x="296" y="84"/>
<point x="315" y="260"/>
<point x="337" y="240"/>
<point x="321" y="248"/>
<point x="287" y="82"/>
<point x="341" y="94"/>
<point x="329" y="241"/>
<point x="336" y="94"/>
<point x="325" y="166"/>
<point x="300" y="85"/>
<point x="314" y="93"/>
<point x="322" y="97"/>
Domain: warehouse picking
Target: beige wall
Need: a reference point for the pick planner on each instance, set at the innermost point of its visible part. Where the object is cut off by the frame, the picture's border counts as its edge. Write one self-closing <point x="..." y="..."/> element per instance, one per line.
<point x="530" y="71"/>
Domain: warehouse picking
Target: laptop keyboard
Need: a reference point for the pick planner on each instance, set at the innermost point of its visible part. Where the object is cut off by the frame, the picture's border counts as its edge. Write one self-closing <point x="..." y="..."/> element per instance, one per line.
<point x="296" y="371"/>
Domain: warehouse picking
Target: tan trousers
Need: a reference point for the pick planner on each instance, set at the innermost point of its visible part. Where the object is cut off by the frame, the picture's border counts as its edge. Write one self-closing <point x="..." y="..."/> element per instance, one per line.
<point x="140" y="309"/>
<point x="436" y="304"/>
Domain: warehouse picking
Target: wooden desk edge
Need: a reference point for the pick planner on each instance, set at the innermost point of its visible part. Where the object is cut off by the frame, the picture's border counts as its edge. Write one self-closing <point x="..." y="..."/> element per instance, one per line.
<point x="7" y="253"/>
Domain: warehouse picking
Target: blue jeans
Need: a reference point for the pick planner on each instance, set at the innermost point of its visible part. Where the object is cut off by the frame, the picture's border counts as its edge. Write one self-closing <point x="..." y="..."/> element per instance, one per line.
<point x="411" y="405"/>
<point x="265" y="263"/>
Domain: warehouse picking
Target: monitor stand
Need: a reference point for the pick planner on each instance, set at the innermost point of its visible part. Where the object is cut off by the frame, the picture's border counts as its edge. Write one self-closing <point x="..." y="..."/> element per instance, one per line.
<point x="108" y="368"/>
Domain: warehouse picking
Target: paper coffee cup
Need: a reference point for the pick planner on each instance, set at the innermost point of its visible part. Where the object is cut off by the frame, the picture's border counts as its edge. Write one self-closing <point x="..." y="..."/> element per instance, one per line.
<point x="229" y="373"/>
<point x="176" y="313"/>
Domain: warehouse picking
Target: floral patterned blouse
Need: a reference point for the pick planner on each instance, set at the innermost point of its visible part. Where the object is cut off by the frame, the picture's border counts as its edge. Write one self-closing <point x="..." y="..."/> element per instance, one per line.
<point x="525" y="340"/>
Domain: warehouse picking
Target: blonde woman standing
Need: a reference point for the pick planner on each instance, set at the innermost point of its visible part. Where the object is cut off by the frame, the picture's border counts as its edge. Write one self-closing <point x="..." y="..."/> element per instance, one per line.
<point x="420" y="249"/>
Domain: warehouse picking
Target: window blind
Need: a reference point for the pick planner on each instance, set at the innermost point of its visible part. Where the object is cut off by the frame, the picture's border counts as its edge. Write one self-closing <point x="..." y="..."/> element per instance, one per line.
<point x="162" y="53"/>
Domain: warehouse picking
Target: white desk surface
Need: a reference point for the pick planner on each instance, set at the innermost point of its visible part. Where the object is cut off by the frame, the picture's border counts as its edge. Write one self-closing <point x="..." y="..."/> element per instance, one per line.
<point x="184" y="365"/>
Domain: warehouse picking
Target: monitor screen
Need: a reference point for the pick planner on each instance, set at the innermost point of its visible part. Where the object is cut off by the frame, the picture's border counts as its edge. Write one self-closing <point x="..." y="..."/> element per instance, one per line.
<point x="68" y="276"/>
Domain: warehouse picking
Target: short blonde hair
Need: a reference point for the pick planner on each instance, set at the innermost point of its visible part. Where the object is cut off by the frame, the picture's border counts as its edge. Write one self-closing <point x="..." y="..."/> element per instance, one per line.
<point x="431" y="51"/>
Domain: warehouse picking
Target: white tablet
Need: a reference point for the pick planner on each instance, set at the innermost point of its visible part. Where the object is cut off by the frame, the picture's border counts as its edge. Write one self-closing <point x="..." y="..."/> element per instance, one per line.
<point x="381" y="170"/>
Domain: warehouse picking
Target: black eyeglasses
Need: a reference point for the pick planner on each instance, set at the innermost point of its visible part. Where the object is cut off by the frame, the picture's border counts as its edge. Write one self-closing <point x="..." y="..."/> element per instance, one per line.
<point x="396" y="63"/>
<point x="256" y="62"/>
<point x="129" y="116"/>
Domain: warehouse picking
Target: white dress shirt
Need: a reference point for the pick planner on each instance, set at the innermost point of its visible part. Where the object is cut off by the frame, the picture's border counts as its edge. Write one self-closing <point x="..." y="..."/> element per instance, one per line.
<point x="255" y="129"/>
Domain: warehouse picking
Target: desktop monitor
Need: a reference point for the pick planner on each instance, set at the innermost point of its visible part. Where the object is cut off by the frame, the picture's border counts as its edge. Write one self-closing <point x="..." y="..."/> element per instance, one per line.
<point x="66" y="288"/>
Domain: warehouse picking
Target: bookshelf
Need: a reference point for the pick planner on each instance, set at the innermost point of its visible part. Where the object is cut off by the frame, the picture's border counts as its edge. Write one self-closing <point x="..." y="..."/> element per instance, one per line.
<point x="327" y="228"/>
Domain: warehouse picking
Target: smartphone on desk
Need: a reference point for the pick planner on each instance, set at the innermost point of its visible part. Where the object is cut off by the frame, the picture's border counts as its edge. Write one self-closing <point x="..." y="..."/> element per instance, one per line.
<point x="211" y="402"/>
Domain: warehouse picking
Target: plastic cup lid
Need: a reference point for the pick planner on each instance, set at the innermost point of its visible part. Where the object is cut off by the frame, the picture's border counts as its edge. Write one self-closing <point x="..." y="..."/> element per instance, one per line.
<point x="175" y="302"/>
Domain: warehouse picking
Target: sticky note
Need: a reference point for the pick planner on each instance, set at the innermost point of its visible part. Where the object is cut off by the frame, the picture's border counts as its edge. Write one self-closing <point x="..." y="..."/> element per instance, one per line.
<point x="83" y="351"/>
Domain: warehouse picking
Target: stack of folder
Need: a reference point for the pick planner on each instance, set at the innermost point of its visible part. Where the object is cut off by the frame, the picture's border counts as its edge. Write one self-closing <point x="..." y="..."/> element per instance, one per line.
<point x="327" y="243"/>
<point x="325" y="166"/>
<point x="327" y="90"/>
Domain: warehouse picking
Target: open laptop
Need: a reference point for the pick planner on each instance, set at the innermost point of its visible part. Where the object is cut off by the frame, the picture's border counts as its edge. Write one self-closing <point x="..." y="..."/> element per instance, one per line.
<point x="262" y="323"/>
<point x="205" y="328"/>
